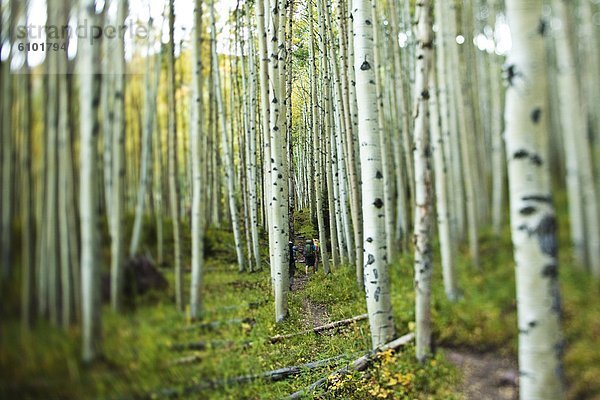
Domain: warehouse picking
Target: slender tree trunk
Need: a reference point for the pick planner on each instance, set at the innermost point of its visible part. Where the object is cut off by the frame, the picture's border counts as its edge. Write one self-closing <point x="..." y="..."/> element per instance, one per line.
<point x="90" y="269"/>
<point x="227" y="156"/>
<point x="423" y="184"/>
<point x="173" y="167"/>
<point x="377" y="283"/>
<point x="197" y="154"/>
<point x="583" y="199"/>
<point x="441" y="193"/>
<point x="265" y="112"/>
<point x="27" y="208"/>
<point x="149" y="113"/>
<point x="353" y="158"/>
<point x="279" y="201"/>
<point x="316" y="152"/>
<point x="118" y="167"/>
<point x="533" y="221"/>
<point x="384" y="139"/>
<point x="6" y="136"/>
<point x="252" y="152"/>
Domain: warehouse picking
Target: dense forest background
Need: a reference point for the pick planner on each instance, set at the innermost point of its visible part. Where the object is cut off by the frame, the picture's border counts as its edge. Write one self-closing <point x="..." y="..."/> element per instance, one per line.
<point x="167" y="167"/>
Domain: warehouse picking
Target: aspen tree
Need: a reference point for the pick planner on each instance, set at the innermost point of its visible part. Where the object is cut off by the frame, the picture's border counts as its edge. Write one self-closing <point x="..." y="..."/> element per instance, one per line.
<point x="463" y="139"/>
<point x="227" y="156"/>
<point x="64" y="188"/>
<point x="27" y="210"/>
<point x="533" y="220"/>
<point x="118" y="164"/>
<point x="251" y="145"/>
<point x="151" y="92"/>
<point x="326" y="127"/>
<point x="317" y="176"/>
<point x="197" y="155"/>
<point x="6" y="177"/>
<point x="498" y="156"/>
<point x="423" y="184"/>
<point x="265" y="111"/>
<point x="50" y="259"/>
<point x="377" y="284"/>
<point x="88" y="119"/>
<point x="279" y="201"/>
<point x="581" y="190"/>
<point x="441" y="191"/>
<point x="353" y="158"/>
<point x="172" y="154"/>
<point x="384" y="139"/>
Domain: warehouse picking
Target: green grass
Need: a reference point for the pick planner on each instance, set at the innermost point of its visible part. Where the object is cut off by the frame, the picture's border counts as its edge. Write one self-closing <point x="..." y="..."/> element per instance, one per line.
<point x="45" y="363"/>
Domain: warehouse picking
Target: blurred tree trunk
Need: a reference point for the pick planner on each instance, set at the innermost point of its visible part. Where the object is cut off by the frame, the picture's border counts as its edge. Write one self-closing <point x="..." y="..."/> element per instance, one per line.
<point x="581" y="190"/>
<point x="198" y="158"/>
<point x="533" y="221"/>
<point x="423" y="184"/>
<point x="89" y="90"/>
<point x="173" y="167"/>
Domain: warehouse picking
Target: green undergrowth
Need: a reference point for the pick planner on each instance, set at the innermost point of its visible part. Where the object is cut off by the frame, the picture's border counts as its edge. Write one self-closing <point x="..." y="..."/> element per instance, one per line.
<point x="140" y="362"/>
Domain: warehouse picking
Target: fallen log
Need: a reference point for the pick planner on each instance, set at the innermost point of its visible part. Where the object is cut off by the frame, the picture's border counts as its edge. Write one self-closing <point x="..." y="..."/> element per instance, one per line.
<point x="360" y="364"/>
<point x="204" y="345"/>
<point x="319" y="329"/>
<point x="271" y="376"/>
<point x="210" y="326"/>
<point x="185" y="360"/>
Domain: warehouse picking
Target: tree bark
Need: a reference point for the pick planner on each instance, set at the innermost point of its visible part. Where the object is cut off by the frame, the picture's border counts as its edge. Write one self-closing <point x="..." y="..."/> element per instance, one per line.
<point x="377" y="284"/>
<point x="533" y="220"/>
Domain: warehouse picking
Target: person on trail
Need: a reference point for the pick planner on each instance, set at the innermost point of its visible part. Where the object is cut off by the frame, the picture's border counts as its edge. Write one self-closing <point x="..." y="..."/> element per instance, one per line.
<point x="292" y="271"/>
<point x="309" y="255"/>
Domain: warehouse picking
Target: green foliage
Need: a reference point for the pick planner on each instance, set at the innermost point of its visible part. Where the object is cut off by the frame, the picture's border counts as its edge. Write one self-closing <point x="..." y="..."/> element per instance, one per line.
<point x="45" y="363"/>
<point x="303" y="225"/>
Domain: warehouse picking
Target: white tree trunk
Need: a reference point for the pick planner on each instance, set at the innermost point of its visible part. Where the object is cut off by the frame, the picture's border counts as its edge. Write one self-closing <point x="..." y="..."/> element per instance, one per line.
<point x="317" y="177"/>
<point x="583" y="200"/>
<point x="227" y="156"/>
<point x="441" y="193"/>
<point x="118" y="167"/>
<point x="533" y="222"/>
<point x="172" y="155"/>
<point x="279" y="201"/>
<point x="377" y="283"/>
<point x="423" y="184"/>
<point x="197" y="153"/>
<point x="252" y="152"/>
<point x="265" y="111"/>
<point x="149" y="121"/>
<point x="90" y="270"/>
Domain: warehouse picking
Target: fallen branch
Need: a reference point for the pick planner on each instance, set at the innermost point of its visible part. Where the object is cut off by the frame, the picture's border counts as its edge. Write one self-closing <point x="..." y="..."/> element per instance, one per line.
<point x="359" y="364"/>
<point x="204" y="345"/>
<point x="271" y="376"/>
<point x="319" y="329"/>
<point x="210" y="326"/>
<point x="185" y="360"/>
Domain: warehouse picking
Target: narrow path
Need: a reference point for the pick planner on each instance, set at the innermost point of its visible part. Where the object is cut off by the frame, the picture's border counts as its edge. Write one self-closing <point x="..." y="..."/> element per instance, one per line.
<point x="486" y="376"/>
<point x="314" y="314"/>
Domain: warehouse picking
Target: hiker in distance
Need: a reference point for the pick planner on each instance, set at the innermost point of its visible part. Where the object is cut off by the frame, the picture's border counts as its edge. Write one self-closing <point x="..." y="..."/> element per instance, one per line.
<point x="310" y="255"/>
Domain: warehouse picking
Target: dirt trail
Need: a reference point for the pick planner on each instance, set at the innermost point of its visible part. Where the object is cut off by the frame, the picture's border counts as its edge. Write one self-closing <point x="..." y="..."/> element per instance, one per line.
<point x="486" y="376"/>
<point x="315" y="314"/>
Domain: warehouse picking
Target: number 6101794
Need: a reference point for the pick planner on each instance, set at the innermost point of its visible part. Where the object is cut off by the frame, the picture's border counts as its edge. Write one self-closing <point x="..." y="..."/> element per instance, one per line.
<point x="42" y="47"/>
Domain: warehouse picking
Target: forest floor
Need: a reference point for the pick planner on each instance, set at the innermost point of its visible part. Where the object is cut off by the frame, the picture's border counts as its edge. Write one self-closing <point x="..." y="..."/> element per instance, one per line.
<point x="485" y="376"/>
<point x="154" y="351"/>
